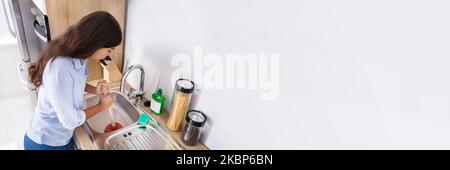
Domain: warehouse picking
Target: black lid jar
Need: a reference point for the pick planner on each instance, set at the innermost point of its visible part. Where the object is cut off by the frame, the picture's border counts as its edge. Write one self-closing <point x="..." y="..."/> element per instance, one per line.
<point x="193" y="127"/>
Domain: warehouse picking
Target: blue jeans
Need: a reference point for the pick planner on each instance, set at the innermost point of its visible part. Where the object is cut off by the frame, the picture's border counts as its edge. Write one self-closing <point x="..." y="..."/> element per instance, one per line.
<point x="31" y="145"/>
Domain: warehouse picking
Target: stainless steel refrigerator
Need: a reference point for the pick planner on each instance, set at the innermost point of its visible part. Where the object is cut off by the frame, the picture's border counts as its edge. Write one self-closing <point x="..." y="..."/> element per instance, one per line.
<point x="32" y="32"/>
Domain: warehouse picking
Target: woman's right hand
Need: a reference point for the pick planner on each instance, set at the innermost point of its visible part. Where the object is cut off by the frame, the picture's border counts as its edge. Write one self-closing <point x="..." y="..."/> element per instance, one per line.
<point x="105" y="100"/>
<point x="102" y="88"/>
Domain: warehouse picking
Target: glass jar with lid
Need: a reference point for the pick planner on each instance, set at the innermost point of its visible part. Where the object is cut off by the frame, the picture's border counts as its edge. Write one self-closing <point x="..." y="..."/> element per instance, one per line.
<point x="193" y="127"/>
<point x="180" y="103"/>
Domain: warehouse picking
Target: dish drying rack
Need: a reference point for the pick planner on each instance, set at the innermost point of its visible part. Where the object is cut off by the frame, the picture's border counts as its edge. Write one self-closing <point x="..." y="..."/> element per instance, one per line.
<point x="140" y="137"/>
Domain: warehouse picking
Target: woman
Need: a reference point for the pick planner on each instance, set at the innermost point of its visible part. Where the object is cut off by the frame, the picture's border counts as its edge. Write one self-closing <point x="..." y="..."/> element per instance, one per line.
<point x="60" y="73"/>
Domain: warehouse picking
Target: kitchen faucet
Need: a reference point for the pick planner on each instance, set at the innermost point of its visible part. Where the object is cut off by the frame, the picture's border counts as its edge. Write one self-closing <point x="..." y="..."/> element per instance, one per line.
<point x="134" y="95"/>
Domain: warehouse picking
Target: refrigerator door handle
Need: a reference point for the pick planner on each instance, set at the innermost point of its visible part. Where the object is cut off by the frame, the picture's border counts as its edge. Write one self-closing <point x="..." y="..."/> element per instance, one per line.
<point x="36" y="23"/>
<point x="23" y="82"/>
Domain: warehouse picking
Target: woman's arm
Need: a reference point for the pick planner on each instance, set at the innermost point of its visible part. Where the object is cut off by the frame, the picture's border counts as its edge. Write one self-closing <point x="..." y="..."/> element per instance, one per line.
<point x="104" y="103"/>
<point x="93" y="110"/>
<point x="101" y="88"/>
<point x="61" y="96"/>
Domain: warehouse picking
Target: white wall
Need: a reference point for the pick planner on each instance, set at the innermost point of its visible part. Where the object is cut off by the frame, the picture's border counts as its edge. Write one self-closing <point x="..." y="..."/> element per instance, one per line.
<point x="353" y="74"/>
<point x="9" y="76"/>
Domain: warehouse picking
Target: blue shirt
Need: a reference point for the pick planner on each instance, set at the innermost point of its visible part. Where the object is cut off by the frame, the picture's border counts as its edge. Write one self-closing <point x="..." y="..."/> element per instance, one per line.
<point x="60" y="102"/>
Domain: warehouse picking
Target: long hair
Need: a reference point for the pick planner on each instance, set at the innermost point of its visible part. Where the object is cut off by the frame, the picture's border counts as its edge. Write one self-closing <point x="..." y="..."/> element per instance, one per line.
<point x="94" y="31"/>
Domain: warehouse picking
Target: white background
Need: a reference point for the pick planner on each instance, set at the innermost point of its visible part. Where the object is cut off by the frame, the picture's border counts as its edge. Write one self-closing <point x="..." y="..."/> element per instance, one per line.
<point x="354" y="74"/>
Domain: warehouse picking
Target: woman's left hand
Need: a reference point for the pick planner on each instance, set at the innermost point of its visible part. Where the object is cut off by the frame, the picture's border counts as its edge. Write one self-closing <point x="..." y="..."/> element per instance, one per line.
<point x="102" y="88"/>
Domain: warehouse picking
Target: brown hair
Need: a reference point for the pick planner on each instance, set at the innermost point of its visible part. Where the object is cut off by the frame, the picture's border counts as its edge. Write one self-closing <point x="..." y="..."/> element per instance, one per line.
<point x="94" y="31"/>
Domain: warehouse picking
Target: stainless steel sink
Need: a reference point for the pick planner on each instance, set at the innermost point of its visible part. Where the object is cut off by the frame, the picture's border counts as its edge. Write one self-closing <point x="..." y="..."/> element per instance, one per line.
<point x="151" y="136"/>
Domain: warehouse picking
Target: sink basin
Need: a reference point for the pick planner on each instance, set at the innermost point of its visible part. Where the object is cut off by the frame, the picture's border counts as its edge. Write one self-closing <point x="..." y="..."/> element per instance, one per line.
<point x="125" y="113"/>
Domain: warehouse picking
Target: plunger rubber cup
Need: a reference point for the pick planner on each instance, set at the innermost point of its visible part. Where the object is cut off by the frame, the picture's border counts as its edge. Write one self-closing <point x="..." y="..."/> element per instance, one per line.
<point x="110" y="127"/>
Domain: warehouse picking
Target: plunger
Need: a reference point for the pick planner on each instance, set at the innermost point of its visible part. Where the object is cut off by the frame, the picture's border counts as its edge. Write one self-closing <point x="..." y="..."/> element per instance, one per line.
<point x="110" y="127"/>
<point x="113" y="125"/>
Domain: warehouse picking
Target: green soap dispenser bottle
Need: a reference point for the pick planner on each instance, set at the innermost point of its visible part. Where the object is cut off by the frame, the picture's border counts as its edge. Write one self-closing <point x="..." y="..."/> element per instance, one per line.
<point x="157" y="103"/>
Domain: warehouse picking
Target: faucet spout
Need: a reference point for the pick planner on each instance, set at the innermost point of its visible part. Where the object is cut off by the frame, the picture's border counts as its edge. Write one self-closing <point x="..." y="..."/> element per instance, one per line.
<point x="140" y="92"/>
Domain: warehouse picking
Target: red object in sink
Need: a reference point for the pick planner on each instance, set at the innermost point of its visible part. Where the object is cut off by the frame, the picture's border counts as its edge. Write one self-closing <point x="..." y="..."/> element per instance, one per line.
<point x="110" y="128"/>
